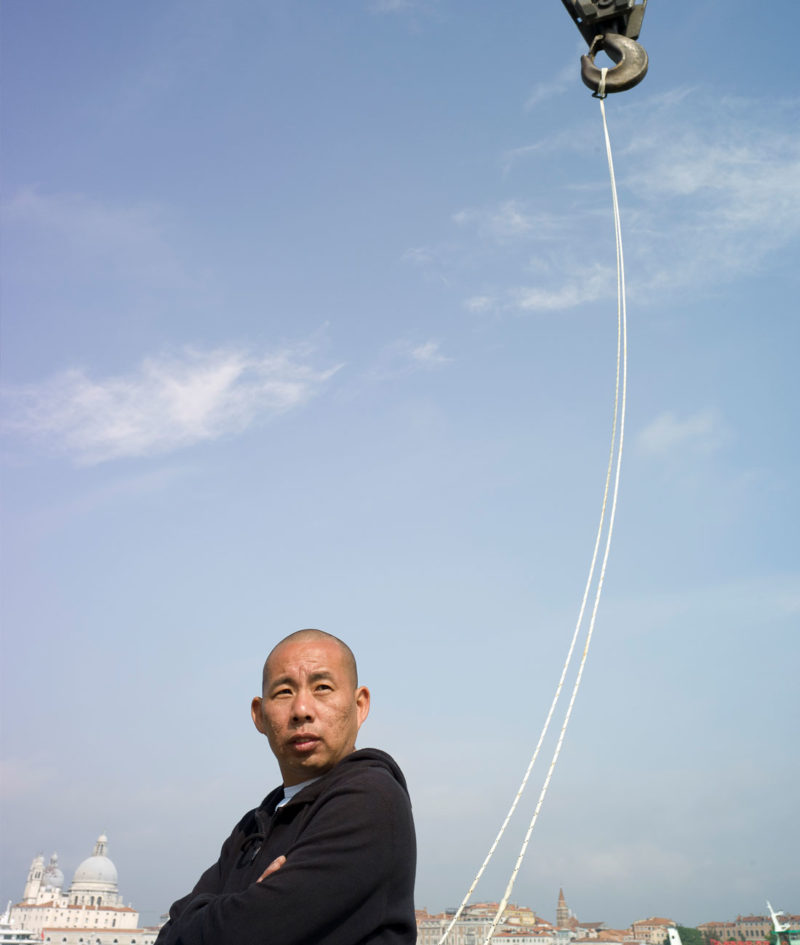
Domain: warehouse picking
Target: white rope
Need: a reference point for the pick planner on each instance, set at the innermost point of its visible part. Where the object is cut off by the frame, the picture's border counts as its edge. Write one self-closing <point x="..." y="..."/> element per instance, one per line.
<point x="614" y="460"/>
<point x="559" y="687"/>
<point x="619" y="413"/>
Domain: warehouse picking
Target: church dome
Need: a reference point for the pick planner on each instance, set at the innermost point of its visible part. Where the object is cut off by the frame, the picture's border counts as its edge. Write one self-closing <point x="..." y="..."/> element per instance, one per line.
<point x="53" y="876"/>
<point x="97" y="870"/>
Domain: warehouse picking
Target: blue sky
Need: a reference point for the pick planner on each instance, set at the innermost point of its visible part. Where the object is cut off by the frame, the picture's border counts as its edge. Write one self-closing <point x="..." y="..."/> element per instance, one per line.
<point x="309" y="320"/>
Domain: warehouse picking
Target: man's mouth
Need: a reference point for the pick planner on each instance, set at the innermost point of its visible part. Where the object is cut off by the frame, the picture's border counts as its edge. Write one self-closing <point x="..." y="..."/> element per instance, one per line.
<point x="304" y="742"/>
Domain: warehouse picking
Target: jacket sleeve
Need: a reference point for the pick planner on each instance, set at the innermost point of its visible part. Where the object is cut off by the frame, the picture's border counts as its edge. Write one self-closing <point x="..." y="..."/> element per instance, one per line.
<point x="346" y="876"/>
<point x="209" y="884"/>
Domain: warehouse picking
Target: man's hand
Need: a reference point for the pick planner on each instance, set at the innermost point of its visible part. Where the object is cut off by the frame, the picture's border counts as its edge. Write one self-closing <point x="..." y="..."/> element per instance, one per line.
<point x="273" y="867"/>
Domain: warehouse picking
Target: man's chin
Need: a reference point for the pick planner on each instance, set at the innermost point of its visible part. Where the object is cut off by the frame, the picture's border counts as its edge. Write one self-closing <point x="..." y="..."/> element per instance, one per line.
<point x="306" y="770"/>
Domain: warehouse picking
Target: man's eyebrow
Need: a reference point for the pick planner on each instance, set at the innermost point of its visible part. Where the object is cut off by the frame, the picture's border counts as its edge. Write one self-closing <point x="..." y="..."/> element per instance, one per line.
<point x="289" y="680"/>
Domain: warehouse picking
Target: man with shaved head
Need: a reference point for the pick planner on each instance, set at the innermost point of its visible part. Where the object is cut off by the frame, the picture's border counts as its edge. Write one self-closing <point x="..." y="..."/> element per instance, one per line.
<point x="327" y="858"/>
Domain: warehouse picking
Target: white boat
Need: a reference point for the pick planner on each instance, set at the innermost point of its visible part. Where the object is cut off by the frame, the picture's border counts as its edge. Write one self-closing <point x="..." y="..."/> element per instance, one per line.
<point x="13" y="936"/>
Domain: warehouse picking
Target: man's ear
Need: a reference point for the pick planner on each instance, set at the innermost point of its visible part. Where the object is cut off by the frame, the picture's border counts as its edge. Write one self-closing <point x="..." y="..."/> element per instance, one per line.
<point x="362" y="704"/>
<point x="256" y="714"/>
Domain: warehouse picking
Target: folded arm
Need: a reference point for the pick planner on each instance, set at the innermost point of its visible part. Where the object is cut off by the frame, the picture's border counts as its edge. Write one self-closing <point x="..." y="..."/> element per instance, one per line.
<point x="332" y="887"/>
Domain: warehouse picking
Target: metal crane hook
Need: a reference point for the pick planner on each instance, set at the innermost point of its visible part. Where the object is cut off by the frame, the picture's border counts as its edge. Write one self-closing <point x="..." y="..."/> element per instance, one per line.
<point x="631" y="59"/>
<point x="613" y="26"/>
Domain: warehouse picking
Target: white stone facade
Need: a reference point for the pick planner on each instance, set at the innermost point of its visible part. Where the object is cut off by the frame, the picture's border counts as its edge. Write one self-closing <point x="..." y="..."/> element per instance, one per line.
<point x="520" y="926"/>
<point x="90" y="912"/>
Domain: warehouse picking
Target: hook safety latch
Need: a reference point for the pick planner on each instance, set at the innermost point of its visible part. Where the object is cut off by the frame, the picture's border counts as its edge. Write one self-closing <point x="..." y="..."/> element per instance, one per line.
<point x="631" y="59"/>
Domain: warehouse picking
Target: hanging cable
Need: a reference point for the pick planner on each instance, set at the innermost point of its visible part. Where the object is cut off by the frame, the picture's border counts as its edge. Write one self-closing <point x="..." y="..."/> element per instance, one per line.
<point x="620" y="403"/>
<point x="613" y="471"/>
<point x="564" y="669"/>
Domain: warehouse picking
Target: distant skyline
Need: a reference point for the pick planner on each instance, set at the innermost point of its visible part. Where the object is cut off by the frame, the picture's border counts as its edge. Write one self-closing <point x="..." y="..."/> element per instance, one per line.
<point x="308" y="319"/>
<point x="542" y="913"/>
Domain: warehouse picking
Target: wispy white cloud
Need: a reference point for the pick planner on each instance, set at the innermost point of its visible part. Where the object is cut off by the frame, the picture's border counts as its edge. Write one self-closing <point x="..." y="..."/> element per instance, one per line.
<point x="507" y="221"/>
<point x="419" y="255"/>
<point x="428" y="354"/>
<point x="709" y="189"/>
<point x="510" y="157"/>
<point x="595" y="283"/>
<point x="168" y="403"/>
<point x="436" y="262"/>
<point x="571" y="139"/>
<point x="513" y="221"/>
<point x="481" y="303"/>
<point x="576" y="288"/>
<point x="701" y="432"/>
<point x="405" y="357"/>
<point x="562" y="81"/>
<point x="717" y="191"/>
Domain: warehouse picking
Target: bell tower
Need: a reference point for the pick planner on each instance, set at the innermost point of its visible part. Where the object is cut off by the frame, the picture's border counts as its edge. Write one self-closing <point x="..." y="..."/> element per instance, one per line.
<point x="34" y="881"/>
<point x="562" y="912"/>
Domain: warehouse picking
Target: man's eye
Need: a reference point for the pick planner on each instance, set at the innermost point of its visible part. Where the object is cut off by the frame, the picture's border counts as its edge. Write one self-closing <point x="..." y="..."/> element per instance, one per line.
<point x="324" y="687"/>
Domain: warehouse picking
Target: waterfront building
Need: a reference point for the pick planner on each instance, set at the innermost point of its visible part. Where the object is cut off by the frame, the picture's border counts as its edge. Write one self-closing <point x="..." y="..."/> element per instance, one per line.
<point x="519" y="926"/>
<point x="652" y="930"/>
<point x="606" y="937"/>
<point x="469" y="930"/>
<point x="752" y="928"/>
<point x="614" y="936"/>
<point x="90" y="912"/>
<point x="588" y="930"/>
<point x="720" y="931"/>
<point x="745" y="928"/>
<point x="520" y="937"/>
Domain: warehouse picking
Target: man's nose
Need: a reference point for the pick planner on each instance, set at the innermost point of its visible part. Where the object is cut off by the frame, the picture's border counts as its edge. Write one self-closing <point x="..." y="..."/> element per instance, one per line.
<point x="302" y="706"/>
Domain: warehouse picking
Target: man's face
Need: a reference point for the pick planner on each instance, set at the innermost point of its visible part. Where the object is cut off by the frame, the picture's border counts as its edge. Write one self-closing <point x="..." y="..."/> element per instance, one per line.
<point x="310" y="709"/>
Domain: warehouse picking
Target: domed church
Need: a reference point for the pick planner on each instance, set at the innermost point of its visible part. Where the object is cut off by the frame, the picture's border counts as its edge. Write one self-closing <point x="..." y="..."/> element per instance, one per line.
<point x="95" y="880"/>
<point x="90" y="912"/>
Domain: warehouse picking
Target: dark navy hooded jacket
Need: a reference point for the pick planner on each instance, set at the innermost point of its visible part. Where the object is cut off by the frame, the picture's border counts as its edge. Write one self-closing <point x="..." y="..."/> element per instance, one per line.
<point x="348" y="879"/>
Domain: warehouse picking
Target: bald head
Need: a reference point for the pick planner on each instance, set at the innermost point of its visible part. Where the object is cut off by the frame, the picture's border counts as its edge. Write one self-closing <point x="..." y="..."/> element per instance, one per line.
<point x="311" y="706"/>
<point x="314" y="636"/>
